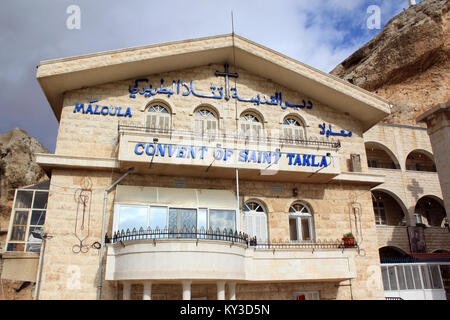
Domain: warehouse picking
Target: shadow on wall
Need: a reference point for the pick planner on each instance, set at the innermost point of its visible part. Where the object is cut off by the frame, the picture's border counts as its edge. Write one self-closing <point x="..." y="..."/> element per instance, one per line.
<point x="415" y="189"/>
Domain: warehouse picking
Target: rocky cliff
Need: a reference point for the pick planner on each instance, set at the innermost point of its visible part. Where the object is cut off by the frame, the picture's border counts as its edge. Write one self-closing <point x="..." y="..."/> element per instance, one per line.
<point x="408" y="62"/>
<point x="18" y="165"/>
<point x="18" y="168"/>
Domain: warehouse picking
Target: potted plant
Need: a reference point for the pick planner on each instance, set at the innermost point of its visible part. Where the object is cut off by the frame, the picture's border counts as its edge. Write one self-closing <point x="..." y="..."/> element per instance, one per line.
<point x="349" y="240"/>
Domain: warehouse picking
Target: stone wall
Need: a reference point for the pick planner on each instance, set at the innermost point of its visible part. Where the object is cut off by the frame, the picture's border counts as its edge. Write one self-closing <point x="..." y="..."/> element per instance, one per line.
<point x="69" y="275"/>
<point x="437" y="239"/>
<point x="97" y="135"/>
<point x="329" y="203"/>
<point x="393" y="237"/>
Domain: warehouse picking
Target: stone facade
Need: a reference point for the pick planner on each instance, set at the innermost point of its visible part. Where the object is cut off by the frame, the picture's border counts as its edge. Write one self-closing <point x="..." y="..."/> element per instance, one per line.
<point x="71" y="275"/>
<point x="90" y="156"/>
<point x="405" y="186"/>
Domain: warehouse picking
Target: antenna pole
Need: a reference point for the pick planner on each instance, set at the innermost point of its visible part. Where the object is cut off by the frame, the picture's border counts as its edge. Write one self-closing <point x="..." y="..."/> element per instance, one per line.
<point x="232" y="23"/>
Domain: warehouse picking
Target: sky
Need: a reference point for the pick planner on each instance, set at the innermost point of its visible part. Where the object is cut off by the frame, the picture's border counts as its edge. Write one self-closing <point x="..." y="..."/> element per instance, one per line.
<point x="320" y="33"/>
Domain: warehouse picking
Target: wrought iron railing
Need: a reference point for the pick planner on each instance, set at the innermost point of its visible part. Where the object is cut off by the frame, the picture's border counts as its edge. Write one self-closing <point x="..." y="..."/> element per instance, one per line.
<point x="305" y="245"/>
<point x="224" y="235"/>
<point x="218" y="136"/>
<point x="383" y="165"/>
<point x="184" y="233"/>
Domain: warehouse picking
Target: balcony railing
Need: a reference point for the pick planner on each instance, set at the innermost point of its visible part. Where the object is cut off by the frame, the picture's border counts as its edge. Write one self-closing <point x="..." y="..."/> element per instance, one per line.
<point x="419" y="167"/>
<point x="383" y="165"/>
<point x="225" y="235"/>
<point x="184" y="233"/>
<point x="218" y="136"/>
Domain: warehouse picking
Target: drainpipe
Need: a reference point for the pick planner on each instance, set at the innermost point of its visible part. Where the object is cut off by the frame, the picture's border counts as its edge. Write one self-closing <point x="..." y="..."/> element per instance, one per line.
<point x="100" y="262"/>
<point x="41" y="263"/>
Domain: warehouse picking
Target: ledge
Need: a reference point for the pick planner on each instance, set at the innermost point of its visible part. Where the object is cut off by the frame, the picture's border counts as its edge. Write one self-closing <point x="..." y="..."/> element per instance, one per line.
<point x="20" y="255"/>
<point x="212" y="260"/>
<point x="50" y="161"/>
<point x="361" y="177"/>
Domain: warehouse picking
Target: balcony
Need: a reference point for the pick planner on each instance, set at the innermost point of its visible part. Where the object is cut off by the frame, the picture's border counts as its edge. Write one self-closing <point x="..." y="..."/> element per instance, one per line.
<point x="217" y="154"/>
<point x="174" y="255"/>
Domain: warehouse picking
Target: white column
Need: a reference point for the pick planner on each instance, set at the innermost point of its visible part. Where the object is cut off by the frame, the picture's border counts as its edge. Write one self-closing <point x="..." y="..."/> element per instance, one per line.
<point x="220" y="290"/>
<point x="186" y="289"/>
<point x="147" y="291"/>
<point x="126" y="290"/>
<point x="232" y="289"/>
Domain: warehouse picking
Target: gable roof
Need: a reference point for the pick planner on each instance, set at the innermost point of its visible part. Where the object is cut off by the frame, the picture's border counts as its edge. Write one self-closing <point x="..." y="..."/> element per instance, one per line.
<point x="61" y="75"/>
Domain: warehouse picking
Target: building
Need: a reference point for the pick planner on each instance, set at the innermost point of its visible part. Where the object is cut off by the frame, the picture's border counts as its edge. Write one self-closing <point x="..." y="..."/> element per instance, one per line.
<point x="216" y="168"/>
<point x="411" y="220"/>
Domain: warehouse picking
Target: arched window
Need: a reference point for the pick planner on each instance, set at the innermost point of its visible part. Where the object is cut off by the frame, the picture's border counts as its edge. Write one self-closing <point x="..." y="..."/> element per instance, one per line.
<point x="301" y="224"/>
<point x="293" y="129"/>
<point x="206" y="122"/>
<point x="255" y="220"/>
<point x="250" y="126"/>
<point x="158" y="117"/>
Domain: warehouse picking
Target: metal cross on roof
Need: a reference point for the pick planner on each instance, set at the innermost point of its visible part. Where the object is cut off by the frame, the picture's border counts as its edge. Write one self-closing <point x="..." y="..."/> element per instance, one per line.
<point x="226" y="74"/>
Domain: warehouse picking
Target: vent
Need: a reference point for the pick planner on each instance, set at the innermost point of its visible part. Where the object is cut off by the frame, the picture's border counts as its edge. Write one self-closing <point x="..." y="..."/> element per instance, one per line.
<point x="179" y="183"/>
<point x="276" y="188"/>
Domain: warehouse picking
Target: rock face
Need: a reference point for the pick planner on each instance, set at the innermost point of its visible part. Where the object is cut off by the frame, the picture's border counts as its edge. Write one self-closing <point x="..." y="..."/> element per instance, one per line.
<point x="408" y="62"/>
<point x="18" y="165"/>
<point x="18" y="168"/>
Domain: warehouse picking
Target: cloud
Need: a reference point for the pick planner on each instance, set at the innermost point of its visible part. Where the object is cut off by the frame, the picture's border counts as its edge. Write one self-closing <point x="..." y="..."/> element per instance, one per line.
<point x="318" y="33"/>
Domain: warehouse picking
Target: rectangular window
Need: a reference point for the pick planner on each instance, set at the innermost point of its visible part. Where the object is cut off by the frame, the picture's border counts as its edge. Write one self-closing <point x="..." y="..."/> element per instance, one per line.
<point x="132" y="217"/>
<point x="28" y="216"/>
<point x="293" y="229"/>
<point x="222" y="219"/>
<point x="380" y="213"/>
<point x="306" y="234"/>
<point x="182" y="219"/>
<point x="158" y="218"/>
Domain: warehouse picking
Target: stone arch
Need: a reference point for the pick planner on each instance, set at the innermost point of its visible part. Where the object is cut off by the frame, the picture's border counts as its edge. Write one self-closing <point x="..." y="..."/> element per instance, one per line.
<point x="307" y="203"/>
<point x="207" y="106"/>
<point x="300" y="117"/>
<point x="255" y="112"/>
<point x="432" y="209"/>
<point x="262" y="202"/>
<point x="441" y="251"/>
<point x="397" y="200"/>
<point x="156" y="100"/>
<point x="380" y="146"/>
<point x="413" y="161"/>
<point x="392" y="252"/>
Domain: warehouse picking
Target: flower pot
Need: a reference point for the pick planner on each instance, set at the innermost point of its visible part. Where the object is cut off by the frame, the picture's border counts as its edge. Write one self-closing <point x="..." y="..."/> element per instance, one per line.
<point x="349" y="242"/>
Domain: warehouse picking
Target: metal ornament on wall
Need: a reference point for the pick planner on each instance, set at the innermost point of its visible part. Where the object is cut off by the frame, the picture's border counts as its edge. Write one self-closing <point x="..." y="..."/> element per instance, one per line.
<point x="355" y="211"/>
<point x="83" y="198"/>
